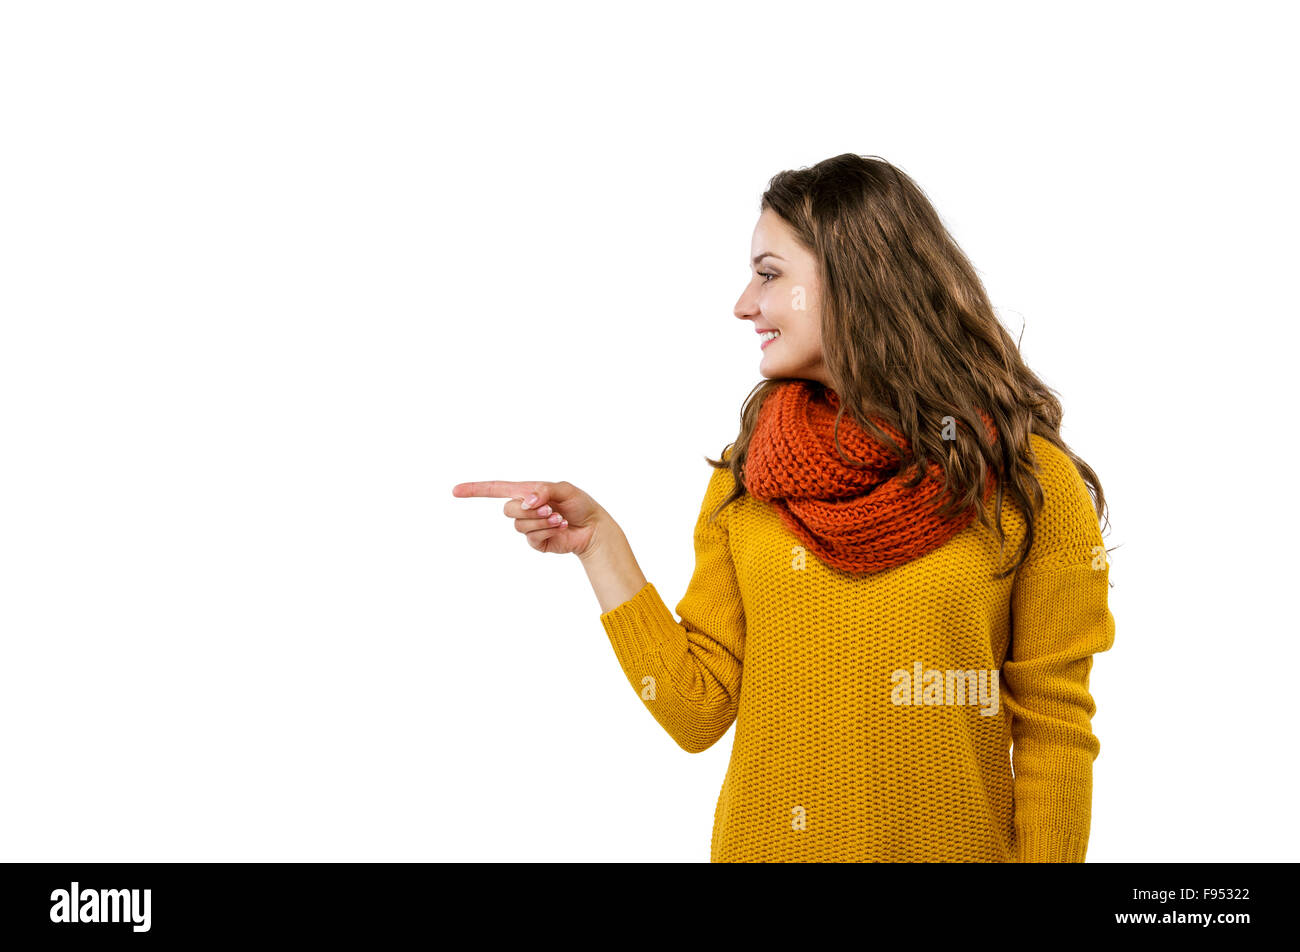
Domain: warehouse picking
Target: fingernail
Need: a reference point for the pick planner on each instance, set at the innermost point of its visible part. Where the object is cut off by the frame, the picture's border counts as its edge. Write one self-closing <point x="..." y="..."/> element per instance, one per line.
<point x="528" y="503"/>
<point x="544" y="511"/>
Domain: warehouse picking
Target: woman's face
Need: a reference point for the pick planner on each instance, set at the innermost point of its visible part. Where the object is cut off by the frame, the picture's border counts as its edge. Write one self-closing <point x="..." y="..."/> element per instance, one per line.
<point x="783" y="295"/>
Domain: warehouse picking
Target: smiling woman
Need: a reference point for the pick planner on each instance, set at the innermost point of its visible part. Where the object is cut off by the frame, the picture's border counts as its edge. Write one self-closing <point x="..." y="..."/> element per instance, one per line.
<point x="860" y="526"/>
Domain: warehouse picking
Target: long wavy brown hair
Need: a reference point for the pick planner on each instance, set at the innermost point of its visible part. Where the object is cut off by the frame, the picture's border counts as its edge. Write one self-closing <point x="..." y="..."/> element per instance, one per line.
<point x="909" y="336"/>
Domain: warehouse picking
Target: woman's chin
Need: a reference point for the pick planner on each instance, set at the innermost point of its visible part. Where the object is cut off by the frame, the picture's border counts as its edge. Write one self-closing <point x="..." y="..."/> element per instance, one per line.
<point x="773" y="366"/>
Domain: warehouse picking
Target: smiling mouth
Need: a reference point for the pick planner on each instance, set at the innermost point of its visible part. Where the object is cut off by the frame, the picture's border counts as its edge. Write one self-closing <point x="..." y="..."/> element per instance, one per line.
<point x="767" y="340"/>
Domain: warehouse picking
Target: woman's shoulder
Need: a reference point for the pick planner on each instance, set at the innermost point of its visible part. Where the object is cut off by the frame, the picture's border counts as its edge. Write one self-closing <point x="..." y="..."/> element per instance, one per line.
<point x="721" y="480"/>
<point x="720" y="485"/>
<point x="1053" y="464"/>
<point x="1068" y="528"/>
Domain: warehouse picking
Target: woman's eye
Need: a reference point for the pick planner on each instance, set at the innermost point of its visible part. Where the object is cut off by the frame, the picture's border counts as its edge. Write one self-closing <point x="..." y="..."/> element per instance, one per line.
<point x="766" y="274"/>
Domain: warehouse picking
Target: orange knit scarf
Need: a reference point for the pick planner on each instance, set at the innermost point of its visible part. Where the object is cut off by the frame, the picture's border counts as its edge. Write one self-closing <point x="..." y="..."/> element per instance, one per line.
<point x="855" y="518"/>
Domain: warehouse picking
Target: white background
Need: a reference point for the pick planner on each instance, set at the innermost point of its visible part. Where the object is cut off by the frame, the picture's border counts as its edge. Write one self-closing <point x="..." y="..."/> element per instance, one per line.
<point x="275" y="276"/>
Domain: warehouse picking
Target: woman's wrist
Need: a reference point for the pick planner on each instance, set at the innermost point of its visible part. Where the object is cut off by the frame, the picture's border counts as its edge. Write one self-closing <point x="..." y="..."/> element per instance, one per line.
<point x="611" y="566"/>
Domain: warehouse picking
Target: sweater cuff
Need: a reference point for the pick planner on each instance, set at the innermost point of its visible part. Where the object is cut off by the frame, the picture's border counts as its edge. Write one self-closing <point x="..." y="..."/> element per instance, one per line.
<point x="1038" y="845"/>
<point x="633" y="626"/>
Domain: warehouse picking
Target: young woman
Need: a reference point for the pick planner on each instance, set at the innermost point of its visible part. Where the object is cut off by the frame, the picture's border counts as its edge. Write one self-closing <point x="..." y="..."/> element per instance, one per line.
<point x="900" y="579"/>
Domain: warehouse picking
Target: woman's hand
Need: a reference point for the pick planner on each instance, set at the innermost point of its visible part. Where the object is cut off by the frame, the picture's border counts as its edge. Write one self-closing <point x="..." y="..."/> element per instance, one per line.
<point x="554" y="517"/>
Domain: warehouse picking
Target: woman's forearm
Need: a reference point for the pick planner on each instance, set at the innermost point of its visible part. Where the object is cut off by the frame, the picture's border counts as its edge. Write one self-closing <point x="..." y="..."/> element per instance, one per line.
<point x="611" y="567"/>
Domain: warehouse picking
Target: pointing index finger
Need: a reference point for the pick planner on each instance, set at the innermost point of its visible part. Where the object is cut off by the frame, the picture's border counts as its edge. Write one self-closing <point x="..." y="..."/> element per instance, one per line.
<point x="494" y="489"/>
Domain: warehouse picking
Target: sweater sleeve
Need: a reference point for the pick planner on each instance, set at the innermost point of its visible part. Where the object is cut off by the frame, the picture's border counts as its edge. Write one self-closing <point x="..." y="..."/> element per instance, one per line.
<point x="1059" y="618"/>
<point x="687" y="673"/>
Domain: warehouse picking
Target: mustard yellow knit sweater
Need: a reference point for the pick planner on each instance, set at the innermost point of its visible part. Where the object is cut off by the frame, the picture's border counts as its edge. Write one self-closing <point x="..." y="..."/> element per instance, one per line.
<point x="875" y="715"/>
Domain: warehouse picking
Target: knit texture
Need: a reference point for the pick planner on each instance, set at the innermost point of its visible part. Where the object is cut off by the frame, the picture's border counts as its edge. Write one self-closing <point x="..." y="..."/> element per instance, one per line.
<point x="861" y="733"/>
<point x="856" y="514"/>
